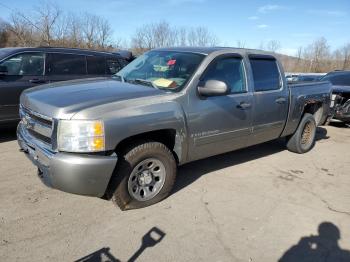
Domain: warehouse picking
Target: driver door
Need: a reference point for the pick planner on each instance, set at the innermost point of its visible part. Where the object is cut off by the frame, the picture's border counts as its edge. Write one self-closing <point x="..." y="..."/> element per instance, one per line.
<point x="219" y="124"/>
<point x="24" y="70"/>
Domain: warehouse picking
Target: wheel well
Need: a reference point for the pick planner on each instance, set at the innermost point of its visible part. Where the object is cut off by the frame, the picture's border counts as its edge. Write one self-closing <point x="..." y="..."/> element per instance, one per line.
<point x="164" y="136"/>
<point x="316" y="109"/>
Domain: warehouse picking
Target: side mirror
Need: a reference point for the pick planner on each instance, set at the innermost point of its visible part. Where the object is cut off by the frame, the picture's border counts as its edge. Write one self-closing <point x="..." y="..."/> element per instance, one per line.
<point x="213" y="88"/>
<point x="3" y="70"/>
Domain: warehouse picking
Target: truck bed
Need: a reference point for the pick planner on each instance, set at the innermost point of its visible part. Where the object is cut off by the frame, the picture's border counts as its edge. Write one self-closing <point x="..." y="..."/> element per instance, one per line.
<point x="303" y="94"/>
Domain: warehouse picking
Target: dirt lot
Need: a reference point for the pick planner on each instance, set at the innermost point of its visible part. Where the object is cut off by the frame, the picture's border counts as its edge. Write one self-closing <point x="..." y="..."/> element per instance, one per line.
<point x="251" y="205"/>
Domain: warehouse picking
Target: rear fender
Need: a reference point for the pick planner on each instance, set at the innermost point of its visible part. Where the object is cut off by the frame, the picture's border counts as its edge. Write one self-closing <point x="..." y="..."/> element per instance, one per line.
<point x="301" y="102"/>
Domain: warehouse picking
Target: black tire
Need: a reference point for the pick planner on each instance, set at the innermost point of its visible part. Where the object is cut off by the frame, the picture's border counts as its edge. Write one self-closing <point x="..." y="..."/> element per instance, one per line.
<point x="127" y="163"/>
<point x="303" y="139"/>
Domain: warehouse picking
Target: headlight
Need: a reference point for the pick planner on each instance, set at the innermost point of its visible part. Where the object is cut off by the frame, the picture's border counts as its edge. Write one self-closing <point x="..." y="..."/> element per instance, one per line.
<point x="80" y="136"/>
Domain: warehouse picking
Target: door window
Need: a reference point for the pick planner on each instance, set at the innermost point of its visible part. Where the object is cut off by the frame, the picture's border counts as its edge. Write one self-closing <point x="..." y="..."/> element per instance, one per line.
<point x="25" y="64"/>
<point x="67" y="64"/>
<point x="229" y="70"/>
<point x="123" y="62"/>
<point x="265" y="74"/>
<point x="96" y="65"/>
<point x="113" y="67"/>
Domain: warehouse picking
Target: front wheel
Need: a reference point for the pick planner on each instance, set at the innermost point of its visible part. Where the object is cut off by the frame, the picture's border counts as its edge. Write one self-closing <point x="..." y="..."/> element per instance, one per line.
<point x="146" y="174"/>
<point x="303" y="139"/>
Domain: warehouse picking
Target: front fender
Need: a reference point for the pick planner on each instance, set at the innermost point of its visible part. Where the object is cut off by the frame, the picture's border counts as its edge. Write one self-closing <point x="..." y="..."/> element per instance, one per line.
<point x="132" y="121"/>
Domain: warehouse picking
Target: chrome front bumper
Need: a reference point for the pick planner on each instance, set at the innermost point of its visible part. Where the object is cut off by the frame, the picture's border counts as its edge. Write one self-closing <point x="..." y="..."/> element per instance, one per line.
<point x="70" y="172"/>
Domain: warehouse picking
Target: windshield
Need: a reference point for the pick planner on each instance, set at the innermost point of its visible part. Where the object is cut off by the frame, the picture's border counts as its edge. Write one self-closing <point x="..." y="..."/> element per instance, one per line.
<point x="338" y="79"/>
<point x="162" y="69"/>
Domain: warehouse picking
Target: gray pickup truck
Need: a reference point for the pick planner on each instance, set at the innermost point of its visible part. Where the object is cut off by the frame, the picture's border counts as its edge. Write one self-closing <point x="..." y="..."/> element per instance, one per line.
<point x="122" y="138"/>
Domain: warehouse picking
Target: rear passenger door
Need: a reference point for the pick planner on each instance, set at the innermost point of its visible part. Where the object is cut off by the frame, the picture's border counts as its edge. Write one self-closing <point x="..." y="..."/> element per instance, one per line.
<point x="270" y="99"/>
<point x="63" y="67"/>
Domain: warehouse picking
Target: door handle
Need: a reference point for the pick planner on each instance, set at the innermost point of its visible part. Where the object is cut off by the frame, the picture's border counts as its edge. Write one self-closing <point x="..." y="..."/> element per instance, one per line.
<point x="244" y="105"/>
<point x="37" y="81"/>
<point x="281" y="100"/>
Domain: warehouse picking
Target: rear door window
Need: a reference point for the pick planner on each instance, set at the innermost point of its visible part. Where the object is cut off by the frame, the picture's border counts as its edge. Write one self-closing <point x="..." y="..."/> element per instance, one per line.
<point x="113" y="66"/>
<point x="123" y="62"/>
<point x="25" y="64"/>
<point x="96" y="65"/>
<point x="265" y="74"/>
<point x="67" y="64"/>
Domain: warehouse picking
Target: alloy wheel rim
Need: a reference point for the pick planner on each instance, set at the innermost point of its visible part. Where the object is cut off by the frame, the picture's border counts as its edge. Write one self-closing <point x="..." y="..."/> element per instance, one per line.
<point x="307" y="134"/>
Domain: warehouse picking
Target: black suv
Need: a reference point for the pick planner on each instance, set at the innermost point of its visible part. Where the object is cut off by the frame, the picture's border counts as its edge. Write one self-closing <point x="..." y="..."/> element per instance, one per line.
<point x="22" y="68"/>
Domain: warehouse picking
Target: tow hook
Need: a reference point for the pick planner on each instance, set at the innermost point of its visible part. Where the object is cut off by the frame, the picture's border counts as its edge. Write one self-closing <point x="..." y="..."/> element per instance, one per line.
<point x="23" y="150"/>
<point x="40" y="173"/>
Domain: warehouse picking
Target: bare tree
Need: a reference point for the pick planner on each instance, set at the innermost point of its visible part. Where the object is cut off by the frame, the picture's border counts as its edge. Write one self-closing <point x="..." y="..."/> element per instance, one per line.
<point x="261" y="45"/>
<point x="120" y="43"/>
<point x="200" y="36"/>
<point x="162" y="34"/>
<point x="89" y="29"/>
<point x="142" y="40"/>
<point x="318" y="54"/>
<point x="104" y="33"/>
<point x="181" y="37"/>
<point x="273" y="46"/>
<point x="61" y="32"/>
<point x="48" y="15"/>
<point x="241" y="44"/>
<point x="4" y="33"/>
<point x="299" y="53"/>
<point x="345" y="51"/>
<point x="23" y="33"/>
<point x="75" y="34"/>
<point x="299" y="61"/>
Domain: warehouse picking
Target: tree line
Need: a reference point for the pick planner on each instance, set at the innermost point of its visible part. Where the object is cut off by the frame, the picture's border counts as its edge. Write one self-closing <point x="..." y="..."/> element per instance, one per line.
<point x="48" y="25"/>
<point x="318" y="58"/>
<point x="162" y="34"/>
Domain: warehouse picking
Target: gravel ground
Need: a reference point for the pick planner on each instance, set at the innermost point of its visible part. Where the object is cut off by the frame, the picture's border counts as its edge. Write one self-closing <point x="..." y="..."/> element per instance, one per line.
<point x="262" y="203"/>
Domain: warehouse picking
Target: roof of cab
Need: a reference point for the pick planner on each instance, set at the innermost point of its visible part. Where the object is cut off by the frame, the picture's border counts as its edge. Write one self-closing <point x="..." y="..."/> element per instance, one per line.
<point x="209" y="50"/>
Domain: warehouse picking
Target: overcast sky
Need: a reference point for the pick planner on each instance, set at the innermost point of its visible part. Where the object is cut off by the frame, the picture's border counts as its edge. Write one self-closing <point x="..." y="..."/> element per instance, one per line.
<point x="293" y="23"/>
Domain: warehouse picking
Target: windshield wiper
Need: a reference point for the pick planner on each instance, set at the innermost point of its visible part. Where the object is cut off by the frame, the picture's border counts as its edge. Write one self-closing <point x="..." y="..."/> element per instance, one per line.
<point x="121" y="78"/>
<point x="136" y="81"/>
<point x="145" y="82"/>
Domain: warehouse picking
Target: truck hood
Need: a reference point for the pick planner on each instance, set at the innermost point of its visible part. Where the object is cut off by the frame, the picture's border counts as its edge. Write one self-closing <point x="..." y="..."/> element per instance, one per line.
<point x="64" y="99"/>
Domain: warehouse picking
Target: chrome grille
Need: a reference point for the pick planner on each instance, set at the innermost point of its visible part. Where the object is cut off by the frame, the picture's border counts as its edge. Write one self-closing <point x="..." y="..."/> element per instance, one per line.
<point x="37" y="125"/>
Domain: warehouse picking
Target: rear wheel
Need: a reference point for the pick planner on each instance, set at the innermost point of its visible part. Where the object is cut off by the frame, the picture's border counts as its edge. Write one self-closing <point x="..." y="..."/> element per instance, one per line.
<point x="303" y="140"/>
<point x="144" y="175"/>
